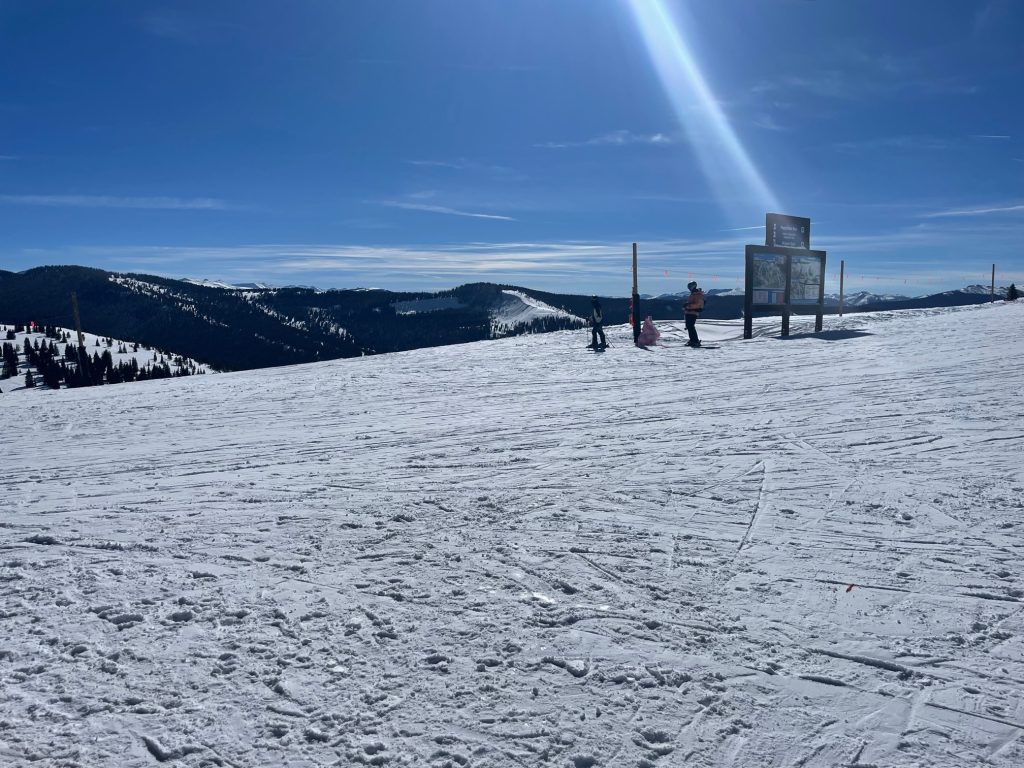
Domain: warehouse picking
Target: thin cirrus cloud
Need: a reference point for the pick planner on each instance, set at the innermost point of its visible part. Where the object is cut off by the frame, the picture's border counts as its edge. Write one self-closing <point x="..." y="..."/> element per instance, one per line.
<point x="108" y="201"/>
<point x="911" y="142"/>
<point x="463" y="165"/>
<point x="535" y="264"/>
<point x="974" y="211"/>
<point x="613" y="139"/>
<point x="443" y="209"/>
<point x="769" y="123"/>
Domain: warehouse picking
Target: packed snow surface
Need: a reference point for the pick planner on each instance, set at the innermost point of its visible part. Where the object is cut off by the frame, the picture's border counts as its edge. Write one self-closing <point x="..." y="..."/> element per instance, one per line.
<point x="802" y="552"/>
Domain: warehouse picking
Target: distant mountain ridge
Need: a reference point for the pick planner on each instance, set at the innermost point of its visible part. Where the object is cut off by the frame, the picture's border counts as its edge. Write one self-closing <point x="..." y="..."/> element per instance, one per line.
<point x="238" y="328"/>
<point x="254" y="326"/>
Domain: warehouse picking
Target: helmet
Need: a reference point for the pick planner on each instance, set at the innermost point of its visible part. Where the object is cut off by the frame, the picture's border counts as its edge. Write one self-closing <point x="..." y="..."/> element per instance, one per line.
<point x="692" y="284"/>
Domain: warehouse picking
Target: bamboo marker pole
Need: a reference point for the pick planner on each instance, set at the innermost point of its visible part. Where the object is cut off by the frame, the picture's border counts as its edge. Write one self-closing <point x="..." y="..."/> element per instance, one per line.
<point x="992" y="290"/>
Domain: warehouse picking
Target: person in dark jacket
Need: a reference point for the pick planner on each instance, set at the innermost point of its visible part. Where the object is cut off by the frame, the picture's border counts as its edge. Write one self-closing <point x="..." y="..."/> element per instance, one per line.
<point x="694" y="305"/>
<point x="596" y="325"/>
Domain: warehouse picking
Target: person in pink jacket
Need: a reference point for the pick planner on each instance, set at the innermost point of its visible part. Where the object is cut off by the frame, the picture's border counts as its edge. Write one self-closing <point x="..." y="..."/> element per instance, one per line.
<point x="648" y="333"/>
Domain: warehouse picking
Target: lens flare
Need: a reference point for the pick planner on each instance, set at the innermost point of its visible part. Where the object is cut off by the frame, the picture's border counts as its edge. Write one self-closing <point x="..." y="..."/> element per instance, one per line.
<point x="724" y="161"/>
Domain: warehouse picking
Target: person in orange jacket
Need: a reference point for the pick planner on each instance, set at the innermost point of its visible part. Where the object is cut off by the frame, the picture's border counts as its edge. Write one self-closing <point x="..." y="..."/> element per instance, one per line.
<point x="694" y="305"/>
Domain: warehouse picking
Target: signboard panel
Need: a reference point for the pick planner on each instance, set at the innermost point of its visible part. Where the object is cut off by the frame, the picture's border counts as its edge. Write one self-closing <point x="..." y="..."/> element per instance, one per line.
<point x="769" y="277"/>
<point x="786" y="281"/>
<point x="805" y="281"/>
<point x="787" y="231"/>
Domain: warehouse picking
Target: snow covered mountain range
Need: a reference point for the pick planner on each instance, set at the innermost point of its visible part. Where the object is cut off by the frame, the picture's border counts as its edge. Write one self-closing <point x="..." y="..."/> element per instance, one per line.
<point x="231" y="328"/>
<point x="242" y="327"/>
<point x="518" y="552"/>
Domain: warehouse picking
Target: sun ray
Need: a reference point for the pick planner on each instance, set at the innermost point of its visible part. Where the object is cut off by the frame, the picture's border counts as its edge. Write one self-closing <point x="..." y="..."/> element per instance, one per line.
<point x="724" y="160"/>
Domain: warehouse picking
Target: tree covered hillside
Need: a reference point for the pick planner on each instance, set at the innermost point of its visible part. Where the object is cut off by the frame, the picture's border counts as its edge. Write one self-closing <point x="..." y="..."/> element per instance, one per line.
<point x="236" y="329"/>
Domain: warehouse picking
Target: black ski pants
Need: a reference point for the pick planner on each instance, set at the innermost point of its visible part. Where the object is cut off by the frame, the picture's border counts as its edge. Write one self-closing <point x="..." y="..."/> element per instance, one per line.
<point x="598" y="329"/>
<point x="691" y="328"/>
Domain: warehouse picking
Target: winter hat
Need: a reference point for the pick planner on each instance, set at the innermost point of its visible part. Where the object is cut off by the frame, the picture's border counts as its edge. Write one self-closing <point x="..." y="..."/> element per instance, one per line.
<point x="692" y="284"/>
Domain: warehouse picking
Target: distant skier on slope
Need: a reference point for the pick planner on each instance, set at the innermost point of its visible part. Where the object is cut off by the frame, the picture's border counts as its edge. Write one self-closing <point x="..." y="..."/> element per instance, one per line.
<point x="694" y="305"/>
<point x="648" y="333"/>
<point x="597" y="325"/>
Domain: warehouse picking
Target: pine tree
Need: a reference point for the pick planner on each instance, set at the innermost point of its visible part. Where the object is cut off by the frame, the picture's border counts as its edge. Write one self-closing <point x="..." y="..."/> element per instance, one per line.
<point x="1012" y="294"/>
<point x="29" y="380"/>
<point x="10" y="355"/>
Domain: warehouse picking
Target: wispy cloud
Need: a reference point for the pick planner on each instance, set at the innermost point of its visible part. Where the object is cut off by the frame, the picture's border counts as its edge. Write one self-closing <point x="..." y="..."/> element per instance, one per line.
<point x="990" y="136"/>
<point x="108" y="201"/>
<point x="853" y="73"/>
<point x="172" y="26"/>
<point x="613" y="139"/>
<point x="769" y="123"/>
<point x="974" y="211"/>
<point x="8" y="157"/>
<point x="927" y="143"/>
<point x="742" y="229"/>
<point x="470" y="166"/>
<point x="437" y="164"/>
<point x="923" y="249"/>
<point x="182" y="27"/>
<point x="991" y="16"/>
<point x="442" y="209"/>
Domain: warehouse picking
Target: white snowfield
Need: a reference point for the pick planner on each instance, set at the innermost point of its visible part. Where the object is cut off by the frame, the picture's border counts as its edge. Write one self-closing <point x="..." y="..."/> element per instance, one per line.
<point x="800" y="553"/>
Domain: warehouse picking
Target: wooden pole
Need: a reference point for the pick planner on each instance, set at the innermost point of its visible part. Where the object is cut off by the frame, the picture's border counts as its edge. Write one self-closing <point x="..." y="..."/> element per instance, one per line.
<point x="634" y="267"/>
<point x="748" y="296"/>
<point x="78" y="319"/>
<point x="819" y="315"/>
<point x="992" y="290"/>
<point x="83" y="356"/>
<point x="789" y="293"/>
<point x="842" y="269"/>
<point x="636" y="302"/>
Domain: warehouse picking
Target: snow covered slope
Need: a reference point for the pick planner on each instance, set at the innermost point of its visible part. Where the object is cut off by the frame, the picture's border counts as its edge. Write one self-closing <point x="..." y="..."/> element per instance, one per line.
<point x="801" y="552"/>
<point x="143" y="356"/>
<point x="516" y="307"/>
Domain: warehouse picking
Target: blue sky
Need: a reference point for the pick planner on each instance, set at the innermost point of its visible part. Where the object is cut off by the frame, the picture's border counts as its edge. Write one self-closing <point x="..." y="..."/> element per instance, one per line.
<point x="421" y="144"/>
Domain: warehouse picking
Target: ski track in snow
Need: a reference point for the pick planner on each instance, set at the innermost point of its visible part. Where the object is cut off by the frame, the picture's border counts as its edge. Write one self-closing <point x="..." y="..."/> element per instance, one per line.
<point x="523" y="553"/>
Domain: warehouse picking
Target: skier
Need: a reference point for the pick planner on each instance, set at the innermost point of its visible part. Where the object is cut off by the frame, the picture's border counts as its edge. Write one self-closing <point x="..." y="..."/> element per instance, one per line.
<point x="597" y="329"/>
<point x="648" y="334"/>
<point x="694" y="304"/>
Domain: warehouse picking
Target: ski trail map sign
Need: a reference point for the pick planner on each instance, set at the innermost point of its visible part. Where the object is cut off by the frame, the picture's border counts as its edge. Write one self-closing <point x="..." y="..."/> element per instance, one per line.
<point x="784" y="276"/>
